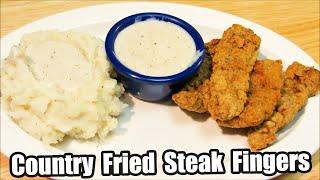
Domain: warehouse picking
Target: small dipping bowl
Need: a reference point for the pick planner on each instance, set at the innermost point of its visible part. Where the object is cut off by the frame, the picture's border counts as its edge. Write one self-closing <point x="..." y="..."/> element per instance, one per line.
<point x="151" y="88"/>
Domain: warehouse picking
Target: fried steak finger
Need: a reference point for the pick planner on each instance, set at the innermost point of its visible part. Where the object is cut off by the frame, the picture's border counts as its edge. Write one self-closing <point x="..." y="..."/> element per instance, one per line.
<point x="300" y="83"/>
<point x="233" y="62"/>
<point x="265" y="84"/>
<point x="189" y="100"/>
<point x="191" y="95"/>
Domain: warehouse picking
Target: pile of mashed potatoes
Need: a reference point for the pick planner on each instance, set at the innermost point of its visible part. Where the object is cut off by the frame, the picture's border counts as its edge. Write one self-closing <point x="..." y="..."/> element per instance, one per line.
<point x="55" y="84"/>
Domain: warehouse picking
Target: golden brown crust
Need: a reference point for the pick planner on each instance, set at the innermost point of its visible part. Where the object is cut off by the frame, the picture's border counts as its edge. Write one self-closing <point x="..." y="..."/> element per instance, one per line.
<point x="300" y="83"/>
<point x="233" y="61"/>
<point x="225" y="93"/>
<point x="189" y="100"/>
<point x="265" y="85"/>
<point x="211" y="46"/>
<point x="192" y="100"/>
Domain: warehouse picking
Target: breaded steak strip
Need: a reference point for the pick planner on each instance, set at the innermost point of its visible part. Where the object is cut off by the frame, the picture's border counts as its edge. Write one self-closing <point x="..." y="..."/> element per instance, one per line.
<point x="265" y="84"/>
<point x="190" y="97"/>
<point x="300" y="83"/>
<point x="233" y="61"/>
<point x="189" y="100"/>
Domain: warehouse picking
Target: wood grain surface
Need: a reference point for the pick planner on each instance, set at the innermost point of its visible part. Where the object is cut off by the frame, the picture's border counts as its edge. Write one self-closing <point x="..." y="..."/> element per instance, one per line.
<point x="296" y="20"/>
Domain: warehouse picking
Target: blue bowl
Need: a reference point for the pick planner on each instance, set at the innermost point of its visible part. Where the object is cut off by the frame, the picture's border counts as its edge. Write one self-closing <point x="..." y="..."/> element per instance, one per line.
<point x="151" y="88"/>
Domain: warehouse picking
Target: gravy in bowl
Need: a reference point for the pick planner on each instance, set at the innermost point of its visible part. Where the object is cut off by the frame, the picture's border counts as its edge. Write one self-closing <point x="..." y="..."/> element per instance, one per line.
<point x="155" y="48"/>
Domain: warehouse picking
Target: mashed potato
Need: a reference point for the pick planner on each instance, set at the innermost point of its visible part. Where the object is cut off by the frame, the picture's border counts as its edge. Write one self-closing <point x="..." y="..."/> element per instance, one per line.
<point x="59" y="83"/>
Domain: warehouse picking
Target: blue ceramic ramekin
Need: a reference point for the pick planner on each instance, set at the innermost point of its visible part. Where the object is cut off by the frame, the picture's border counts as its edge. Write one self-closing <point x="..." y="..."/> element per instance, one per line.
<point x="151" y="88"/>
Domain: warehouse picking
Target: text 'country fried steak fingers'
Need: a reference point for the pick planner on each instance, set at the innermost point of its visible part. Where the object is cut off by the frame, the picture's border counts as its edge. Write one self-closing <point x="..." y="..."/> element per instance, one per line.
<point x="265" y="84"/>
<point x="300" y="83"/>
<point x="233" y="62"/>
<point x="190" y="96"/>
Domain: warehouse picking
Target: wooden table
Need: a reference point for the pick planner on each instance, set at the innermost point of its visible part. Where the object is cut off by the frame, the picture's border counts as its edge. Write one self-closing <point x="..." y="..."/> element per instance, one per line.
<point x="295" y="20"/>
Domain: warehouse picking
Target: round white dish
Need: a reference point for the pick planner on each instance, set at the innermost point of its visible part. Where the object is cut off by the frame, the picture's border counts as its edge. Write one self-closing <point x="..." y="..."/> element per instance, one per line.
<point x="151" y="126"/>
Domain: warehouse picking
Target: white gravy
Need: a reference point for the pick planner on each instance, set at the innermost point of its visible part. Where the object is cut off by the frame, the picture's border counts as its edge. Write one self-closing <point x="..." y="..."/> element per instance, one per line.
<point x="155" y="48"/>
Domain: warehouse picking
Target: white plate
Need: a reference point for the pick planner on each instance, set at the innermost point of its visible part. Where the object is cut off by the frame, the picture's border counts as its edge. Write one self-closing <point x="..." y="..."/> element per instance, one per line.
<point x="146" y="125"/>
